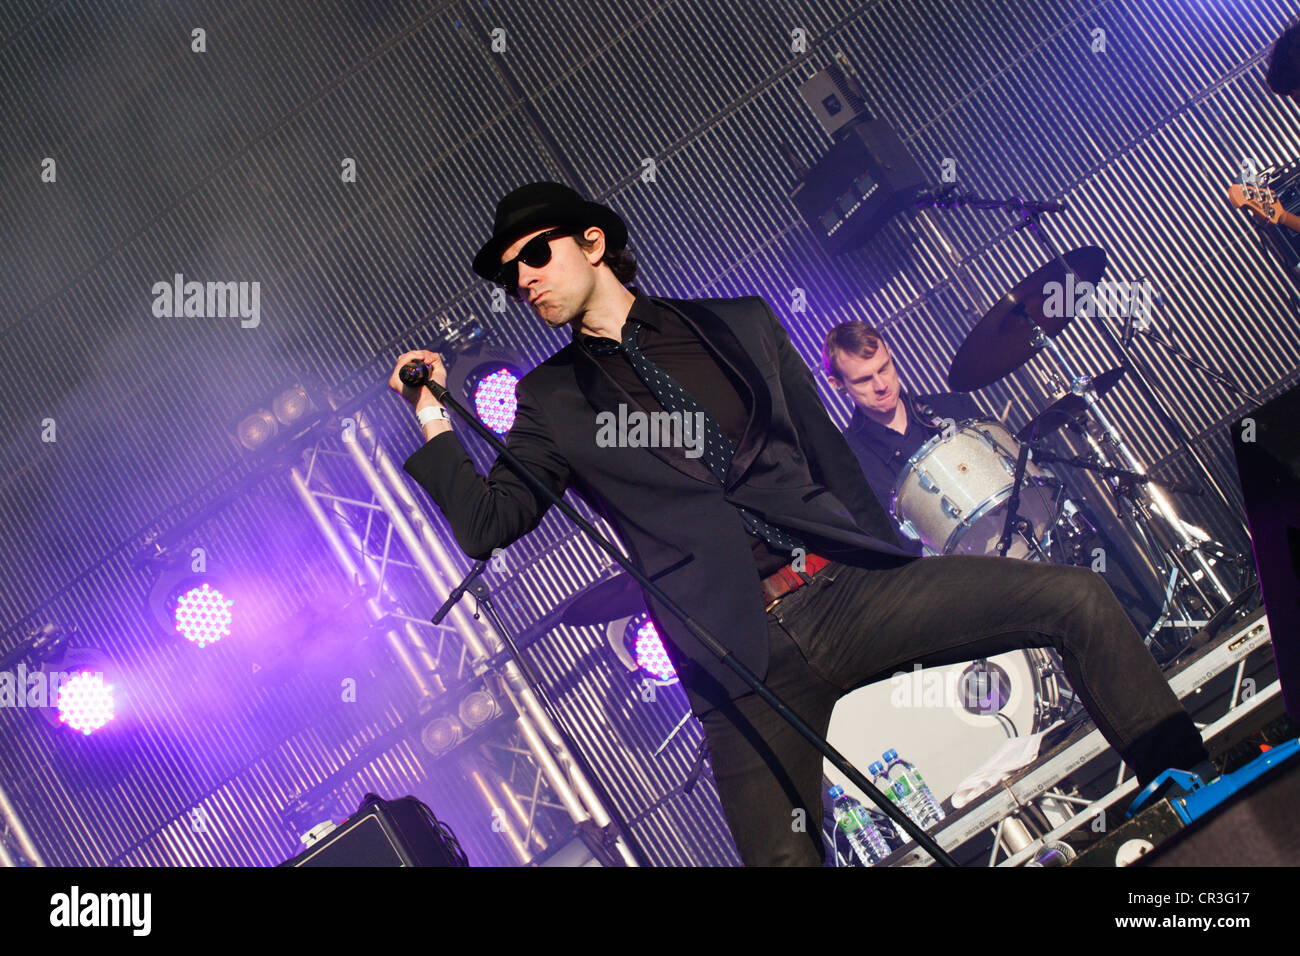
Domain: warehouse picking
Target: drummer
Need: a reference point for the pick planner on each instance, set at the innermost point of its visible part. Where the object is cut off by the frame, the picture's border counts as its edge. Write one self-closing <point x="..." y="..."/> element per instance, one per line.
<point x="889" y="424"/>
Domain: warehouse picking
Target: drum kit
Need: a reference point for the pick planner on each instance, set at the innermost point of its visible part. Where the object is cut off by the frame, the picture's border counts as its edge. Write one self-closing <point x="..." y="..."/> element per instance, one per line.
<point x="976" y="488"/>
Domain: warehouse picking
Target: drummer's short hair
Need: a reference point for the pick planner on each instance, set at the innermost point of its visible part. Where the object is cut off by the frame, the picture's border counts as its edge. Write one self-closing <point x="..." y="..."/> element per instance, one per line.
<point x="855" y="337"/>
<point x="1284" y="63"/>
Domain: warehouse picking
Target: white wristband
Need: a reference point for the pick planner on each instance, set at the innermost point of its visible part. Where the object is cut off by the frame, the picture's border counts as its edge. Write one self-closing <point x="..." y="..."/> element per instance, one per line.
<point x="432" y="413"/>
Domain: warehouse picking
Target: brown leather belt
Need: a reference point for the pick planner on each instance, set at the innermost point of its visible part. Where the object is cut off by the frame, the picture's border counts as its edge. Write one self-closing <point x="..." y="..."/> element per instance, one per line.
<point x="787" y="579"/>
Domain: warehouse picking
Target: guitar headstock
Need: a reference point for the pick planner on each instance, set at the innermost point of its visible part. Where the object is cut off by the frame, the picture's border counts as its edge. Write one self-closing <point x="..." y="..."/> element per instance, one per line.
<point x="1262" y="202"/>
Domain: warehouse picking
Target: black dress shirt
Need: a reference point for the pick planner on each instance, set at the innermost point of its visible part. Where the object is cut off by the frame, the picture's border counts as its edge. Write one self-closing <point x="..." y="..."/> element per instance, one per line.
<point x="672" y="345"/>
<point x="883" y="452"/>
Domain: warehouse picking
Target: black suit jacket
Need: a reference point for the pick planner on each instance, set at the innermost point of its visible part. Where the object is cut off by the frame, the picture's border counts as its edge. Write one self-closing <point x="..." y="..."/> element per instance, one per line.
<point x="679" y="524"/>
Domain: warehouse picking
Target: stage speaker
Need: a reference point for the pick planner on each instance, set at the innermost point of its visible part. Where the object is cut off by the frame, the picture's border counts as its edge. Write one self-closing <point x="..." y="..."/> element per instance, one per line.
<point x="401" y="832"/>
<point x="865" y="179"/>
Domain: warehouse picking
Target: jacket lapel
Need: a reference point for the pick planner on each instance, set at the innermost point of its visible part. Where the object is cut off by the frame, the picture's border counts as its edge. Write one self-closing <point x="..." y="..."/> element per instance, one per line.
<point x="604" y="394"/>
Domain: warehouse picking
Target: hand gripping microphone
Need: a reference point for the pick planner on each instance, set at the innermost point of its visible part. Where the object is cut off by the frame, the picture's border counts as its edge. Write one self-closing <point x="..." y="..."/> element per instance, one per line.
<point x="416" y="373"/>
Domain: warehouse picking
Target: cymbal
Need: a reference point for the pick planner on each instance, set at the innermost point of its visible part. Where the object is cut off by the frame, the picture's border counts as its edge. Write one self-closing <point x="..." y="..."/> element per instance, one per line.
<point x="1002" y="340"/>
<point x="1069" y="406"/>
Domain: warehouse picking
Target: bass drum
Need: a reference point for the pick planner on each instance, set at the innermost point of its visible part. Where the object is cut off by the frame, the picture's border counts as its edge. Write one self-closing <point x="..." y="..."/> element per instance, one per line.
<point x="946" y="720"/>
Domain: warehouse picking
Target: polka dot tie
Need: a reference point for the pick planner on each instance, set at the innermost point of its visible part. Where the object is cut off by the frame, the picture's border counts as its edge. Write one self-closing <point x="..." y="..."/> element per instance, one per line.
<point x="718" y="449"/>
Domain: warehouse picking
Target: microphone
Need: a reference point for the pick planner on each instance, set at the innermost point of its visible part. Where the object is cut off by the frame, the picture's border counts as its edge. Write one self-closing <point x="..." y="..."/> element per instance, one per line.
<point x="1130" y="324"/>
<point x="415" y="373"/>
<point x="933" y="197"/>
<point x="927" y="415"/>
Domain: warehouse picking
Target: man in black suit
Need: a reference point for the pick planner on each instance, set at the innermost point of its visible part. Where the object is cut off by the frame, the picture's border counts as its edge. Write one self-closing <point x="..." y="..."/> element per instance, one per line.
<point x="770" y="538"/>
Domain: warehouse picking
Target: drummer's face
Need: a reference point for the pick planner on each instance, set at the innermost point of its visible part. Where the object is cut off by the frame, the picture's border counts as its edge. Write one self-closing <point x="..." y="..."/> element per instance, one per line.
<point x="872" y="383"/>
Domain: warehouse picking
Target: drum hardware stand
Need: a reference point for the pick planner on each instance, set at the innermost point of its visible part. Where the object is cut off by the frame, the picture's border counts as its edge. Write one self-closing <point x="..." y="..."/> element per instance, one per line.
<point x="1128" y="489"/>
<point x="1031" y="212"/>
<point x="1169" y="539"/>
<point x="1131" y="329"/>
<point x="1021" y="525"/>
<point x="473" y="584"/>
<point x="1182" y="539"/>
<point x="416" y="374"/>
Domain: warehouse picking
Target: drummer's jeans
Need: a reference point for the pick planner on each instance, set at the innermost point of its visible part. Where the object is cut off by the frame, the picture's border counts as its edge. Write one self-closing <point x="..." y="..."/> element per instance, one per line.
<point x="849" y="627"/>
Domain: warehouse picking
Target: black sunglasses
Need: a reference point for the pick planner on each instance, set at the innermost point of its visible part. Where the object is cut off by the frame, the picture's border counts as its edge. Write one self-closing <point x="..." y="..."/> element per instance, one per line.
<point x="535" y="253"/>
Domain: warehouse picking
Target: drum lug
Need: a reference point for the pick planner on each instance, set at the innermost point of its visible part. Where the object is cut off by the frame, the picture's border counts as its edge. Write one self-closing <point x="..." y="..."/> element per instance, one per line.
<point x="926" y="482"/>
<point x="950" y="509"/>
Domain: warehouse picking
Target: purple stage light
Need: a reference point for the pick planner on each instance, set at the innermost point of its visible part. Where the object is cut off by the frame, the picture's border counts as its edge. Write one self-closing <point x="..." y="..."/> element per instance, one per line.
<point x="650" y="653"/>
<point x="203" y="615"/>
<point x="85" y="702"/>
<point x="494" y="400"/>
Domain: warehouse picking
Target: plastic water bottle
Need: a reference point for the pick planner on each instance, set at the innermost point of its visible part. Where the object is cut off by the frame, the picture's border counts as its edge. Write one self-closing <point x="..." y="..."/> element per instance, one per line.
<point x="912" y="794"/>
<point x="895" y="836"/>
<point x="880" y="780"/>
<point x="886" y="827"/>
<point x="852" y="818"/>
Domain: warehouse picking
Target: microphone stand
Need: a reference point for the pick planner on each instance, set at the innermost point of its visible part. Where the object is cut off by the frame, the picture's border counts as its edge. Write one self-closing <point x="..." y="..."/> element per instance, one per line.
<point x="417" y="373"/>
<point x="1013" y="503"/>
<point x="483" y="595"/>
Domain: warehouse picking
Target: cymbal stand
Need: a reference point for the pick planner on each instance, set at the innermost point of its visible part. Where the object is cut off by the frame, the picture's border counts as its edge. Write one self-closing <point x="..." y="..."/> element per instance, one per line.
<point x="1161" y="551"/>
<point x="1153" y="502"/>
<point x="1030" y="213"/>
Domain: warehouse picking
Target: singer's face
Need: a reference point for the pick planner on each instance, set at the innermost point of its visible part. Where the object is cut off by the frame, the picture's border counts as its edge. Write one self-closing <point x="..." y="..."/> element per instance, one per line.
<point x="872" y="383"/>
<point x="557" y="291"/>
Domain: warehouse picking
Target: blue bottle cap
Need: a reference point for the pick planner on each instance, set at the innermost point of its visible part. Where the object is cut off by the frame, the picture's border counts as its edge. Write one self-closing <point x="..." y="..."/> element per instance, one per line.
<point x="890" y="755"/>
<point x="876" y="767"/>
<point x="835" y="792"/>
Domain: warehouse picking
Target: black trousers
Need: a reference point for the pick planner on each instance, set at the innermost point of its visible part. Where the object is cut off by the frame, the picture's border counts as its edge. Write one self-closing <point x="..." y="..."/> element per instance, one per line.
<point x="851" y="626"/>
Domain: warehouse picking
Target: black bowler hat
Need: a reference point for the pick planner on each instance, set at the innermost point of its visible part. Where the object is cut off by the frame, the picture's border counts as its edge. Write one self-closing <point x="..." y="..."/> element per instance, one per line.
<point x="537" y="206"/>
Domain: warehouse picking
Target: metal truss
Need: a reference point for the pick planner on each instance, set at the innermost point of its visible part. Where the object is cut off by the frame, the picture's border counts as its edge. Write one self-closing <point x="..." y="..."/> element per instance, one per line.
<point x="387" y="544"/>
<point x="16" y="845"/>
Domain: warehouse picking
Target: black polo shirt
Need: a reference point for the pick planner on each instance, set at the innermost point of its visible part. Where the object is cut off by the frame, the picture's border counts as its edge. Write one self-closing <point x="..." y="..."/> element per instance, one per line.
<point x="671" y="344"/>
